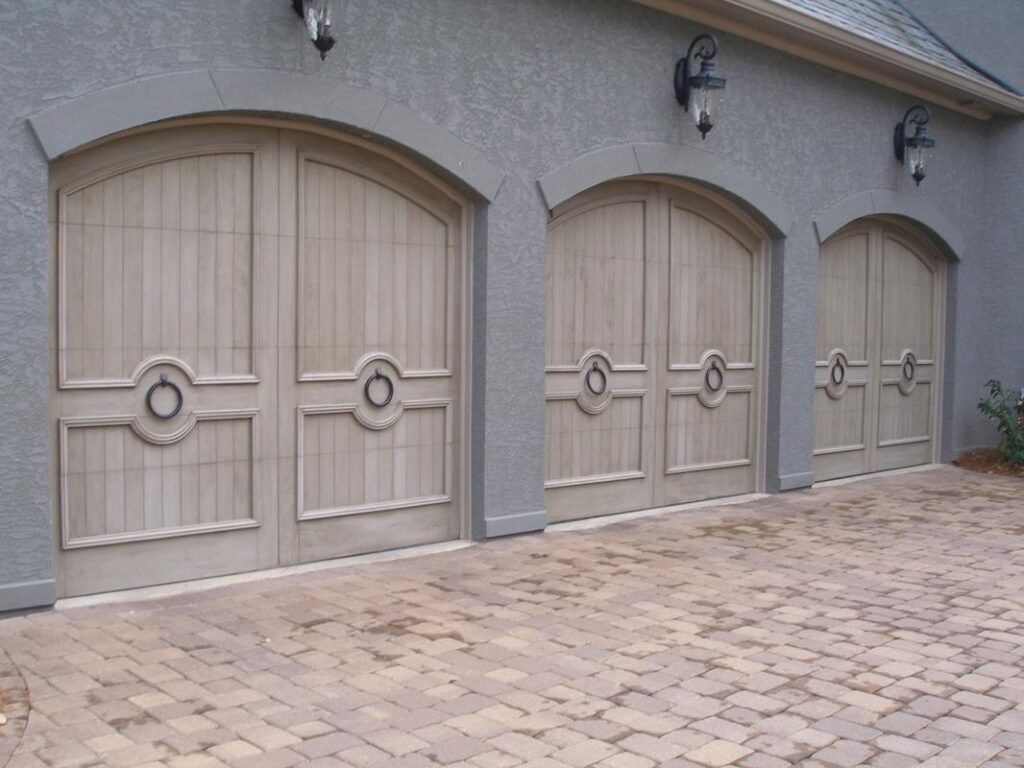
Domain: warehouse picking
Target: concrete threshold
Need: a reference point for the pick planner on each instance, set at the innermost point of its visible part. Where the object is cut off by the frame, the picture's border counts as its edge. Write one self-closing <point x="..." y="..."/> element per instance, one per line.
<point x="202" y="585"/>
<point x="600" y="522"/>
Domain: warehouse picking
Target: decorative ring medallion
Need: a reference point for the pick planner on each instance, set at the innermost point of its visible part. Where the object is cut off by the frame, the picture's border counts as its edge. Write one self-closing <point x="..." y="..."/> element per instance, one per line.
<point x="838" y="374"/>
<point x="164" y="382"/>
<point x="714" y="389"/>
<point x="908" y="373"/>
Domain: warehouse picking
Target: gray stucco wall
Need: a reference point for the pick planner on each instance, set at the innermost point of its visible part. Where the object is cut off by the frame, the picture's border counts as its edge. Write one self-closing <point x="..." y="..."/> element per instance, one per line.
<point x="994" y="300"/>
<point x="531" y="84"/>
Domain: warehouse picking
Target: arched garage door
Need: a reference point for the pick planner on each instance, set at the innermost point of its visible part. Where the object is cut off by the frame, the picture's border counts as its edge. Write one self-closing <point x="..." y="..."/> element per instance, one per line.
<point x="258" y="339"/>
<point x="653" y="350"/>
<point x="880" y="316"/>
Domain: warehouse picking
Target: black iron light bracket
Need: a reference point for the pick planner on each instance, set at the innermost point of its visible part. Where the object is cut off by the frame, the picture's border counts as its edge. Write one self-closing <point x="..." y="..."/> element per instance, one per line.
<point x="705" y="48"/>
<point x="916" y="118"/>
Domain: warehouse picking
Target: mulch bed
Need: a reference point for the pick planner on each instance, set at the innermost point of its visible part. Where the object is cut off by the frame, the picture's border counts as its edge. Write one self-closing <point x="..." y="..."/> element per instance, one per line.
<point x="990" y="461"/>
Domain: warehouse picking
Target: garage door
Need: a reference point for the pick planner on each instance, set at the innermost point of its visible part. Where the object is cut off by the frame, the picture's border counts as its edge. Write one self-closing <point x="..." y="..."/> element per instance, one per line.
<point x="880" y="299"/>
<point x="258" y="355"/>
<point x="653" y="349"/>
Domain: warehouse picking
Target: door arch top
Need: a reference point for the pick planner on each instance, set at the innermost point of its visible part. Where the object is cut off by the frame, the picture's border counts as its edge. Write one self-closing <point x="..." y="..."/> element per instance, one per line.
<point x="96" y="115"/>
<point x="890" y="202"/>
<point x="627" y="160"/>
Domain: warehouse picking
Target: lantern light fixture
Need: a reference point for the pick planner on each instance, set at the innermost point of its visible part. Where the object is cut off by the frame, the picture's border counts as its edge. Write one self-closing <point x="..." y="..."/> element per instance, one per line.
<point x="700" y="92"/>
<point x="316" y="15"/>
<point x="914" y="146"/>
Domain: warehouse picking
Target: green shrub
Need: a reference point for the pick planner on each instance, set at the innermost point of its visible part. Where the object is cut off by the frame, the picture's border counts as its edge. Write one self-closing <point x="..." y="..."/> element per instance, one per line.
<point x="1006" y="409"/>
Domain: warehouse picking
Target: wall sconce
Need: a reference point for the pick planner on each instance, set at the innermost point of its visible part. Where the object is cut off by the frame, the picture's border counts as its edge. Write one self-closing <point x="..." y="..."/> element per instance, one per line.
<point x="915" y="145"/>
<point x="700" y="93"/>
<point x="316" y="14"/>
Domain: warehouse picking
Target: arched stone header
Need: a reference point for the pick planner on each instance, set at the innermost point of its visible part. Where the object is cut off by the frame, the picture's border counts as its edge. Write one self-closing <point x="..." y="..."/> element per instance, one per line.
<point x="627" y="160"/>
<point x="91" y="117"/>
<point x="889" y="202"/>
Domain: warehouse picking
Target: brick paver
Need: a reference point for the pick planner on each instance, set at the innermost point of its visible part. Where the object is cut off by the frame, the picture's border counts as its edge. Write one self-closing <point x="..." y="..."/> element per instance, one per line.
<point x="877" y="623"/>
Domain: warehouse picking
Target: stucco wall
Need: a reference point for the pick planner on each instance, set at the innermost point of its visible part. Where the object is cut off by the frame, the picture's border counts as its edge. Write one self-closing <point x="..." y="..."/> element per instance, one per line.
<point x="995" y="304"/>
<point x="532" y="84"/>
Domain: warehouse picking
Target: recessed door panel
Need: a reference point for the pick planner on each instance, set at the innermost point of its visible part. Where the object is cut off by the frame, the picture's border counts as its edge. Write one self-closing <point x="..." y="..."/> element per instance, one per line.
<point x="583" y="447"/>
<point x="375" y="274"/>
<point x="158" y="260"/>
<point x="712" y="304"/>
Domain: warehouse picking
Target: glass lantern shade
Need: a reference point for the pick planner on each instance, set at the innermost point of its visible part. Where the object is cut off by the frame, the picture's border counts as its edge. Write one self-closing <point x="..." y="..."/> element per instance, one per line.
<point x="316" y="16"/>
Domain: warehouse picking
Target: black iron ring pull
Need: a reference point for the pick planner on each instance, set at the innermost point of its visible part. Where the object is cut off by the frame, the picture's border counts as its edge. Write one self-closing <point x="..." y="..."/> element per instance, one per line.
<point x="909" y="363"/>
<point x="595" y="368"/>
<point x="391" y="389"/>
<point x="164" y="382"/>
<point x="717" y="387"/>
<point x="838" y="373"/>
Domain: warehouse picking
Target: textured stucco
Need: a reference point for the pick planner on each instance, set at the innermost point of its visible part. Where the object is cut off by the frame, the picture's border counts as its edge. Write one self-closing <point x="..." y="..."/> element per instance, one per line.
<point x="531" y="85"/>
<point x="990" y="342"/>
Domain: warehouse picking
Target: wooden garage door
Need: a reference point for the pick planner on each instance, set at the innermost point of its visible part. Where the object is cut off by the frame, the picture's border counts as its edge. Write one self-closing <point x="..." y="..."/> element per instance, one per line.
<point x="880" y="298"/>
<point x="653" y="350"/>
<point x="257" y="355"/>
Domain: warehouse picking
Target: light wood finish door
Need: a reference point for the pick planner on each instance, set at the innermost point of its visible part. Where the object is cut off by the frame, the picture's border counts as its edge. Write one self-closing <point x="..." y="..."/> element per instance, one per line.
<point x="258" y="355"/>
<point x="601" y="268"/>
<point x="880" y="310"/>
<point x="654" y="302"/>
<point x="711" y="346"/>
<point x="371" y="275"/>
<point x="166" y="373"/>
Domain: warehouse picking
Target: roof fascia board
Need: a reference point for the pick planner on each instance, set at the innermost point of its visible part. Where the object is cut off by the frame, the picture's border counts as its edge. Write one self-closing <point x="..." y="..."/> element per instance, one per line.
<point x="796" y="33"/>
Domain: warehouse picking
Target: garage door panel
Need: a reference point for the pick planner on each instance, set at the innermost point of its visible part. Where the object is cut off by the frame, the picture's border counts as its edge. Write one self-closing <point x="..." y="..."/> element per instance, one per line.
<point x="348" y="468"/>
<point x="119" y="486"/>
<point x="897" y="378"/>
<point x="908" y="298"/>
<point x="382" y="530"/>
<point x="843" y="298"/>
<point x="839" y="422"/>
<point x="904" y="417"/>
<point x="699" y="300"/>
<point x="712" y="304"/>
<point x="158" y="260"/>
<point x="375" y="273"/>
<point x="372" y="396"/>
<point x="596" y="274"/>
<point x="587" y="447"/>
<point x="699" y="437"/>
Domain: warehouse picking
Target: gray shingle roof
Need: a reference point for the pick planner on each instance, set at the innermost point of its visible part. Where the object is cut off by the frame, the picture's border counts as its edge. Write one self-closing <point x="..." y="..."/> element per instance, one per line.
<point x="888" y="23"/>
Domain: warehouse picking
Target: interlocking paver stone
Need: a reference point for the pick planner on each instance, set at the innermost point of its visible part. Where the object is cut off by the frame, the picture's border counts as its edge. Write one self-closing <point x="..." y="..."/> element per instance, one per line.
<point x="876" y="623"/>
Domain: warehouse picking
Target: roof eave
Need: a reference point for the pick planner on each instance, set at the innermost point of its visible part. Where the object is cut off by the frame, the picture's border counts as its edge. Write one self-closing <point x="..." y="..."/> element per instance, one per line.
<point x="796" y="33"/>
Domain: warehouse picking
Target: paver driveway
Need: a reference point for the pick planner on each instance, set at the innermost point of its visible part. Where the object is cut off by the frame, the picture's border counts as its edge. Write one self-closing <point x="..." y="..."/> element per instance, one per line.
<point x="876" y="623"/>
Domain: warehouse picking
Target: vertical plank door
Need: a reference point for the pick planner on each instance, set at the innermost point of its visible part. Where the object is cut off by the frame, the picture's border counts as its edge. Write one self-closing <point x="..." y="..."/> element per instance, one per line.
<point x="710" y="351"/>
<point x="164" y="383"/>
<point x="369" y="285"/>
<point x="599" y="433"/>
